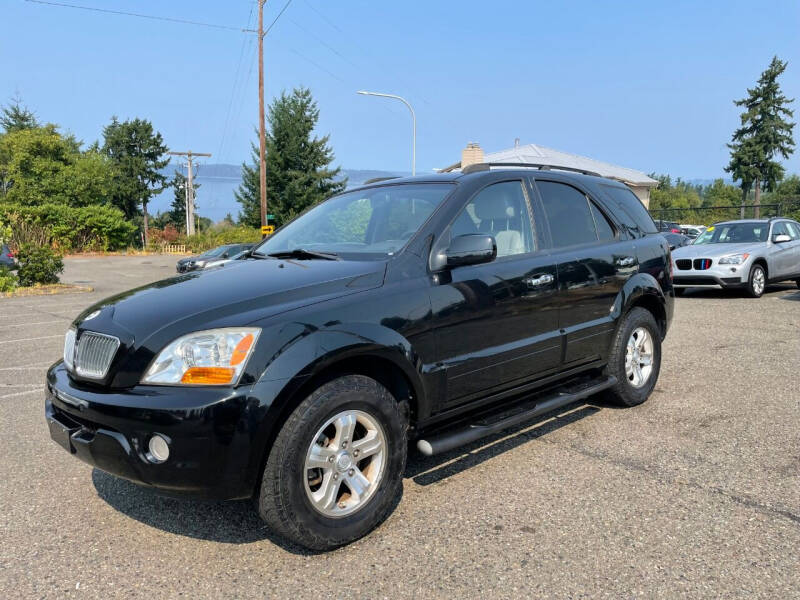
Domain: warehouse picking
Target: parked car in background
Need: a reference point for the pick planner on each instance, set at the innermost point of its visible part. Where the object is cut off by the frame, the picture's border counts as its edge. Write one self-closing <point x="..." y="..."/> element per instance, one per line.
<point x="441" y="308"/>
<point x="692" y="231"/>
<point x="7" y="257"/>
<point x="668" y="226"/>
<point x="746" y="254"/>
<point x="222" y="261"/>
<point x="676" y="240"/>
<point x="193" y="263"/>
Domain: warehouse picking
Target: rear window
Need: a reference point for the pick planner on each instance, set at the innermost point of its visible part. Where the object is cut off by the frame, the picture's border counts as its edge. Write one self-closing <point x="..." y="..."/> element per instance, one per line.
<point x="633" y="214"/>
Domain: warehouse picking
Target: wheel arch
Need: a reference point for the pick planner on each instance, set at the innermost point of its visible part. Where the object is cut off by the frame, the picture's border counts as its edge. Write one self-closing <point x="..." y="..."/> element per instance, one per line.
<point x="388" y="358"/>
<point x="642" y="290"/>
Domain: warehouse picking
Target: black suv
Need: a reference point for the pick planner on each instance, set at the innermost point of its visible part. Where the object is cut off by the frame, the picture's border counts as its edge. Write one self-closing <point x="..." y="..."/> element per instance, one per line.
<point x="438" y="309"/>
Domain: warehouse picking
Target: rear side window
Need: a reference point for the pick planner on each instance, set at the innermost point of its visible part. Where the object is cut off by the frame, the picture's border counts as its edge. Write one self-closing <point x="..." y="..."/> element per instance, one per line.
<point x="632" y="212"/>
<point x="569" y="213"/>
<point x="605" y="233"/>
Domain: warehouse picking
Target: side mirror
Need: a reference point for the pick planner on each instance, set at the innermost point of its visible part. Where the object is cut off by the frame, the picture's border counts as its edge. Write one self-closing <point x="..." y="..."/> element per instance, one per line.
<point x="781" y="238"/>
<point x="471" y="249"/>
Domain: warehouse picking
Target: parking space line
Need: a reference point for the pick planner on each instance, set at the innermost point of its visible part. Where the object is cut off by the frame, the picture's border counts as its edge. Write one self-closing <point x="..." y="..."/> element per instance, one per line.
<point x="36" y="391"/>
<point x="44" y="337"/>
<point x="32" y="324"/>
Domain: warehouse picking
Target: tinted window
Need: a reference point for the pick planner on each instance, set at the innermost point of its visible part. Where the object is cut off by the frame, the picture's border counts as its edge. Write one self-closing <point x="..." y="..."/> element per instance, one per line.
<point x="501" y="211"/>
<point x="605" y="233"/>
<point x="568" y="214"/>
<point x="633" y="214"/>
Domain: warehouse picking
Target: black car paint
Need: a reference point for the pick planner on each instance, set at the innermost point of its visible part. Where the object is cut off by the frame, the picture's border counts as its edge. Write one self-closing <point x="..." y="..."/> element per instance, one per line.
<point x="452" y="340"/>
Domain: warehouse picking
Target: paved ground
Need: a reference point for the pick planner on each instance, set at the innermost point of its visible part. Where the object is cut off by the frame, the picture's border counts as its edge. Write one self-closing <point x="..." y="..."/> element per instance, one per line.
<point x="695" y="493"/>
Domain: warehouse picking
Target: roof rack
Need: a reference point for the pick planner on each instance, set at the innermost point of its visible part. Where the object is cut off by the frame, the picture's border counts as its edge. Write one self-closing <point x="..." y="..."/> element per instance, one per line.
<point x="379" y="179"/>
<point x="474" y="168"/>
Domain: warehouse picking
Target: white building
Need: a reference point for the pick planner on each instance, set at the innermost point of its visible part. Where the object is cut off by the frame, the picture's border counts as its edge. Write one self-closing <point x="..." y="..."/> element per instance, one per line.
<point x="639" y="182"/>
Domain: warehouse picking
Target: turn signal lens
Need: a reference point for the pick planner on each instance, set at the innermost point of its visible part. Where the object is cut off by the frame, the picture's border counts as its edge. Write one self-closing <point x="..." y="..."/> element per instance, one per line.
<point x="242" y="350"/>
<point x="208" y="375"/>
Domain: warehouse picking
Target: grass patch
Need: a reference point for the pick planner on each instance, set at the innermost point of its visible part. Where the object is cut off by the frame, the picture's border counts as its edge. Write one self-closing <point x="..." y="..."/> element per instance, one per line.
<point x="50" y="289"/>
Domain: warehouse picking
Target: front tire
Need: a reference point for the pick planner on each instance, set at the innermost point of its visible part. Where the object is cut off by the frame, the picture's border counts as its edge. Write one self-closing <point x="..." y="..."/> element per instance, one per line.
<point x="336" y="466"/>
<point x="757" y="282"/>
<point x="635" y="358"/>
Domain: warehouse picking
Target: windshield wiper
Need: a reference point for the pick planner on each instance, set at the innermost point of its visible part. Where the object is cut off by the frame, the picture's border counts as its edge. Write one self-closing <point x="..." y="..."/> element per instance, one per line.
<point x="304" y="253"/>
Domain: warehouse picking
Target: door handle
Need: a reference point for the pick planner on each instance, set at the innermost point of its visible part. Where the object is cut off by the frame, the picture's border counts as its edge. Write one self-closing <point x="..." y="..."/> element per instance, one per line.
<point x="626" y="261"/>
<point x="539" y="280"/>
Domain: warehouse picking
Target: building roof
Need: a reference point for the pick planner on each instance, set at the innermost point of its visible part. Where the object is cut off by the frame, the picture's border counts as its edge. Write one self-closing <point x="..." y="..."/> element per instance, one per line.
<point x="533" y="153"/>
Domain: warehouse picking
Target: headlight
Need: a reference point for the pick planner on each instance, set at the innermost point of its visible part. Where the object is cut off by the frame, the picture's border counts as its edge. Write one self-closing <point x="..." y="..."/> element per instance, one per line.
<point x="733" y="259"/>
<point x="213" y="357"/>
<point x="69" y="348"/>
<point x="199" y="263"/>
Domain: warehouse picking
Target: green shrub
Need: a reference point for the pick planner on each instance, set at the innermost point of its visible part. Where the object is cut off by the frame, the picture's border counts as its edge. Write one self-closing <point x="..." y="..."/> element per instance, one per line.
<point x="8" y="281"/>
<point x="67" y="228"/>
<point x="217" y="236"/>
<point x="38" y="264"/>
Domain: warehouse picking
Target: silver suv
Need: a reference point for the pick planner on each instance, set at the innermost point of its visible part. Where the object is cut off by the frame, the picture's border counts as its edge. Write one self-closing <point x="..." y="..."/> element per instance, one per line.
<point x="745" y="254"/>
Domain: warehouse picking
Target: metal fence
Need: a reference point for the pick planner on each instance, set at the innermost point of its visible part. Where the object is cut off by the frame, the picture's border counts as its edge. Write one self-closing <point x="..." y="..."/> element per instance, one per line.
<point x="714" y="214"/>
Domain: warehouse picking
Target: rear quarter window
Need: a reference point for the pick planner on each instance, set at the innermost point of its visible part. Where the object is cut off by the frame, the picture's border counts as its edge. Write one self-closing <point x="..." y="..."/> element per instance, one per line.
<point x="630" y="210"/>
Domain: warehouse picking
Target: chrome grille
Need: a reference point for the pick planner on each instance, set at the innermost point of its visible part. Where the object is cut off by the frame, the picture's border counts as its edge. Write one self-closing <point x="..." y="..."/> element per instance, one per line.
<point x="94" y="354"/>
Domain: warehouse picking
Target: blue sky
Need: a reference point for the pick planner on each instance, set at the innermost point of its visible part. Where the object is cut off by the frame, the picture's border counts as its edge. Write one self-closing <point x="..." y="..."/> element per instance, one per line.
<point x="648" y="85"/>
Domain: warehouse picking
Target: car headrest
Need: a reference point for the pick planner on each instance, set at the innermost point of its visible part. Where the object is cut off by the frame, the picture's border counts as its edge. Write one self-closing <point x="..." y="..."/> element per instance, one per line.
<point x="499" y="207"/>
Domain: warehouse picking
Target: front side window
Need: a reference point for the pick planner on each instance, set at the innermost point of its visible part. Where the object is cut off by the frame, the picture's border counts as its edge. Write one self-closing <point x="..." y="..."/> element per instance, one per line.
<point x="499" y="210"/>
<point x="569" y="213"/>
<point x="371" y="223"/>
<point x="794" y="230"/>
<point x="780" y="228"/>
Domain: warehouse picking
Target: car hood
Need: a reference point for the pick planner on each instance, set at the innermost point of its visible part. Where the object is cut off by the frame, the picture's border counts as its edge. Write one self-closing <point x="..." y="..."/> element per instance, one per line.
<point x="246" y="292"/>
<point x="715" y="250"/>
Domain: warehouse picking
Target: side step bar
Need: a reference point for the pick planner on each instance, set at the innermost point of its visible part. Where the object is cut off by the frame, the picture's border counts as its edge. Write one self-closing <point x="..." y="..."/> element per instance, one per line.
<point x="447" y="440"/>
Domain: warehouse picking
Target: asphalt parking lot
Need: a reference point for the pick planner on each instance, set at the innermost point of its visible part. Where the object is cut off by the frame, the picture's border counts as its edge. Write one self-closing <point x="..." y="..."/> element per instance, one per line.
<point x="695" y="493"/>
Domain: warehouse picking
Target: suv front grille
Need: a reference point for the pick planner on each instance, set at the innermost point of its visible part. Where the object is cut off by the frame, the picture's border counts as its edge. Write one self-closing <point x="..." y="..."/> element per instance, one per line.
<point x="701" y="264"/>
<point x="94" y="354"/>
<point x="684" y="264"/>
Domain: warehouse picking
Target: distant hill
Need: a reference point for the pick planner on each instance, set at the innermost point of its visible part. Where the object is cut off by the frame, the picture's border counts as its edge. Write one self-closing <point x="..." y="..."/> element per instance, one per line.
<point x="218" y="182"/>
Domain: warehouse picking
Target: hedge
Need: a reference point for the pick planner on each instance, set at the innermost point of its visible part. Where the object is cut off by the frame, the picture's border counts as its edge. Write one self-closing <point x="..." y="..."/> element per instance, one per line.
<point x="67" y="228"/>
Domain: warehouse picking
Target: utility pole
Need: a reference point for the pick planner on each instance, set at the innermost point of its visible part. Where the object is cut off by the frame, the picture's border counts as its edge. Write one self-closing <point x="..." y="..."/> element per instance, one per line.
<point x="262" y="142"/>
<point x="189" y="188"/>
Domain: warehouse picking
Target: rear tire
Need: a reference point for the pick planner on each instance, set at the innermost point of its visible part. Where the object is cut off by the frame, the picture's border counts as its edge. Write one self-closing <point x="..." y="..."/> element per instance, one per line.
<point x="679" y="291"/>
<point x="757" y="281"/>
<point x="635" y="358"/>
<point x="348" y="432"/>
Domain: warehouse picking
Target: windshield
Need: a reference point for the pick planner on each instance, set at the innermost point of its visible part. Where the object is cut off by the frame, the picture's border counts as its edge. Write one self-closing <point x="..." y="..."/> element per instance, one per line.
<point x="213" y="252"/>
<point x="734" y="233"/>
<point x="370" y="223"/>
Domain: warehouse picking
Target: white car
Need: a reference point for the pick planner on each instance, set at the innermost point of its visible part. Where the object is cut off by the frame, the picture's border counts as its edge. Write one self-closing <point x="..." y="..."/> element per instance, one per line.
<point x="745" y="254"/>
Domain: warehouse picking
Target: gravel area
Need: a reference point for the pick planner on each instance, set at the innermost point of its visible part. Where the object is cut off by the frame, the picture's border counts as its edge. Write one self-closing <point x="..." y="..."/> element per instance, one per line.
<point x="695" y="493"/>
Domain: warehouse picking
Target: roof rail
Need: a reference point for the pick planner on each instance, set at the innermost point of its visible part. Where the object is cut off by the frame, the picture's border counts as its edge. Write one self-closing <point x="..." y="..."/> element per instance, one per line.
<point x="378" y="179"/>
<point x="476" y="167"/>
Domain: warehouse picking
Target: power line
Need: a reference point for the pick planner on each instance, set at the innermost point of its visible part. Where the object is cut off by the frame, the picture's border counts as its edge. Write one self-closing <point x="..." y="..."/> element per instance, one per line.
<point x="266" y="31"/>
<point x="138" y="15"/>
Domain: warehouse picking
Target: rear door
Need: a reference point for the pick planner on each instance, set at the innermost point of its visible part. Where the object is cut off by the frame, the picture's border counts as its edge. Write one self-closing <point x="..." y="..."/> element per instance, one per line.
<point x="794" y="232"/>
<point x="497" y="323"/>
<point x="594" y="259"/>
<point x="784" y="255"/>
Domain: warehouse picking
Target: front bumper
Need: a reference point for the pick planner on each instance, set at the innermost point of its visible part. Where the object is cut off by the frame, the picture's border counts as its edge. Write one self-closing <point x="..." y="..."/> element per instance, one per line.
<point x="717" y="276"/>
<point x="208" y="429"/>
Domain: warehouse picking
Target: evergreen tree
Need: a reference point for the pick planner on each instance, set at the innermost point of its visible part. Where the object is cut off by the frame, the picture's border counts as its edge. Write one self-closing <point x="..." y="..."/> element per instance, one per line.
<point x="764" y="134"/>
<point x="298" y="173"/>
<point x="16" y="117"/>
<point x="138" y="153"/>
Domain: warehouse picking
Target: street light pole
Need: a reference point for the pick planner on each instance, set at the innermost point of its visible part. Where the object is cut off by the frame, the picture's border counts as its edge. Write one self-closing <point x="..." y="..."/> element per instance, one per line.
<point x="413" y="124"/>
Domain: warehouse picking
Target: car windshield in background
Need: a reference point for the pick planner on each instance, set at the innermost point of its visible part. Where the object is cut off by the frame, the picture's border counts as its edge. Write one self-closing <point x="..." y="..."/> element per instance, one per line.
<point x="370" y="223"/>
<point x="734" y="233"/>
<point x="213" y="252"/>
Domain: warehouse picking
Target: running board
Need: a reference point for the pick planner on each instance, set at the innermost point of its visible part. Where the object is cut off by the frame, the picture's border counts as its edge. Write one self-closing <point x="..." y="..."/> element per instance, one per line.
<point x="447" y="440"/>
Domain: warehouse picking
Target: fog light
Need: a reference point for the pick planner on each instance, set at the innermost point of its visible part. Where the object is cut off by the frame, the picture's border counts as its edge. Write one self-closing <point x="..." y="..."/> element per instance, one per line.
<point x="159" y="449"/>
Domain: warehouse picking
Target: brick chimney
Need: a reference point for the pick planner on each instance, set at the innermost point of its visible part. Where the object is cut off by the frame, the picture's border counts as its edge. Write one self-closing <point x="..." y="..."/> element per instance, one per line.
<point x="471" y="155"/>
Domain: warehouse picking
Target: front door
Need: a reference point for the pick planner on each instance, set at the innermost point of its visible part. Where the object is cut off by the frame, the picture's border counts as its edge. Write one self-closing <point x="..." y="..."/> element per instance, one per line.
<point x="496" y="324"/>
<point x="593" y="264"/>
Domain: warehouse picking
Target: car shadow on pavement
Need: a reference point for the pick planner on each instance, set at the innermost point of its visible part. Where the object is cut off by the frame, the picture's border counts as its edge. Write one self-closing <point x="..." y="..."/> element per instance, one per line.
<point x="426" y="470"/>
<point x="232" y="522"/>
<point x="733" y="293"/>
<point x="795" y="297"/>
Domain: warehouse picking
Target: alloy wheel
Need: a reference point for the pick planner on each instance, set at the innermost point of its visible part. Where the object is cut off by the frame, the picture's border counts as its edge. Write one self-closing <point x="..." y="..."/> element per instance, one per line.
<point x="345" y="463"/>
<point x="639" y="357"/>
<point x="758" y="281"/>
